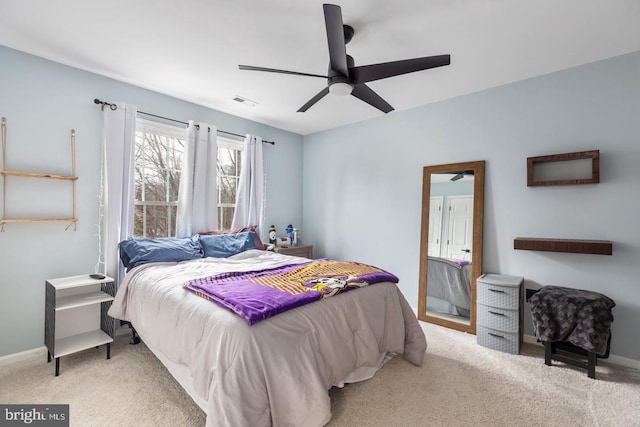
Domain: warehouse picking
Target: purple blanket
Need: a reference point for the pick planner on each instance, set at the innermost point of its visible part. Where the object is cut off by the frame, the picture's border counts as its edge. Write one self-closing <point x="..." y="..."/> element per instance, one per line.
<point x="460" y="262"/>
<point x="258" y="295"/>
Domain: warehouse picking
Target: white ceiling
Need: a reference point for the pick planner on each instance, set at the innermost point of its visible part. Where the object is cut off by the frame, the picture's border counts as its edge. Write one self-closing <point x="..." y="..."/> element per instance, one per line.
<point x="190" y="49"/>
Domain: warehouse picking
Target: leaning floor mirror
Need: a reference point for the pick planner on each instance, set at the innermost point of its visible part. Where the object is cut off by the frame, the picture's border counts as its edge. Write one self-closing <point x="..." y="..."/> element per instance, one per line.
<point x="451" y="244"/>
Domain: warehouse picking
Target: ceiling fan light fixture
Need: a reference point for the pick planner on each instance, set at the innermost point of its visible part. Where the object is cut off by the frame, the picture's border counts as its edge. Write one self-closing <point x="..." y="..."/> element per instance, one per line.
<point x="341" y="89"/>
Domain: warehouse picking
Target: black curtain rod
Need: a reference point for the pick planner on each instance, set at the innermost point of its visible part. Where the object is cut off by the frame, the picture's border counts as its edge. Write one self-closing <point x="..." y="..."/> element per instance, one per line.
<point x="115" y="107"/>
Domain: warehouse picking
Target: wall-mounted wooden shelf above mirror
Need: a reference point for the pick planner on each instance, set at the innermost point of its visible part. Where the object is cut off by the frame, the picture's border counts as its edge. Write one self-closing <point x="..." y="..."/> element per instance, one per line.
<point x="576" y="246"/>
<point x="582" y="167"/>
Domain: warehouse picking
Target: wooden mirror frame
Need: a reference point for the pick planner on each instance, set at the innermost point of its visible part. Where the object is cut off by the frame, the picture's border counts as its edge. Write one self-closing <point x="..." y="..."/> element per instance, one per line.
<point x="476" y="257"/>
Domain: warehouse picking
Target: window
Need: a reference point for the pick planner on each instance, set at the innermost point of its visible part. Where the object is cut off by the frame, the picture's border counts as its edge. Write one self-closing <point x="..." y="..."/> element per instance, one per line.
<point x="228" y="173"/>
<point x="159" y="152"/>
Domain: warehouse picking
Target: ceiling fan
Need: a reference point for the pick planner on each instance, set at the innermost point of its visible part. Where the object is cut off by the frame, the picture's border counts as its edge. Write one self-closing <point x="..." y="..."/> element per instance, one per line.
<point x="344" y="77"/>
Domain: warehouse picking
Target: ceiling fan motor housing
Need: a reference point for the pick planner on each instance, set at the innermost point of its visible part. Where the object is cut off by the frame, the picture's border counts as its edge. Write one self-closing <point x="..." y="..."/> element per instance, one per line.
<point x="348" y="33"/>
<point x="338" y="83"/>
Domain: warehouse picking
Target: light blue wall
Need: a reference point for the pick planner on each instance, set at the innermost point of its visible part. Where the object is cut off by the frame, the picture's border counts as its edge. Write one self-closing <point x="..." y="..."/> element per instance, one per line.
<point x="42" y="101"/>
<point x="361" y="192"/>
<point x="363" y="199"/>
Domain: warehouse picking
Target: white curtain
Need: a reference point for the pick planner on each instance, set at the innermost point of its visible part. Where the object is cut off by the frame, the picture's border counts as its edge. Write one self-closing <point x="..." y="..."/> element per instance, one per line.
<point x="198" y="192"/>
<point x="250" y="195"/>
<point x="118" y="134"/>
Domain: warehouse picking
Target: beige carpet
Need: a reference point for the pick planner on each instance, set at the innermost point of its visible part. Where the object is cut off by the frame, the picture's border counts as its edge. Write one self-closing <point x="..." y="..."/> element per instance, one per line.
<point x="460" y="384"/>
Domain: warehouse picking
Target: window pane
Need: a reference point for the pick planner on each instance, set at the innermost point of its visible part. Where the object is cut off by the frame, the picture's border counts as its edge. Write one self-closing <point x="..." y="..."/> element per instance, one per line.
<point x="227" y="161"/>
<point x="227" y="190"/>
<point x="172" y="221"/>
<point x="225" y="217"/>
<point x="155" y="186"/>
<point x="138" y="221"/>
<point x="155" y="151"/>
<point x="137" y="186"/>
<point x="157" y="221"/>
<point x="175" y="154"/>
<point x="174" y="185"/>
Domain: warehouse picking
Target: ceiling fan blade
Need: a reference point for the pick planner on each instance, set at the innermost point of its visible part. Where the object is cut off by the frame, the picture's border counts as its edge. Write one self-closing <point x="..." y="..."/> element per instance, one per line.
<point x="313" y="100"/>
<point x="335" y="38"/>
<point x="457" y="177"/>
<point x="366" y="94"/>
<point x="369" y="73"/>
<point x="274" y="70"/>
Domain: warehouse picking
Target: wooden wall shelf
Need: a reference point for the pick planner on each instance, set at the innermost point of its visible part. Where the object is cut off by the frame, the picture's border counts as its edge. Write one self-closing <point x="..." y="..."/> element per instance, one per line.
<point x="39" y="175"/>
<point x="532" y="162"/>
<point x="595" y="247"/>
<point x="6" y="173"/>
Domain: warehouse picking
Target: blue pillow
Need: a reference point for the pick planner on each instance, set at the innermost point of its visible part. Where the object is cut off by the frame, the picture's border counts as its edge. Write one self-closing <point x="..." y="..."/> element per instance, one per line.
<point x="134" y="252"/>
<point x="225" y="245"/>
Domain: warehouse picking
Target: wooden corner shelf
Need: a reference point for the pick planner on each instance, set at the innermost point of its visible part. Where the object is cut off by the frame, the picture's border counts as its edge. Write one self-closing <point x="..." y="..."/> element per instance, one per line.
<point x="576" y="246"/>
<point x="534" y="163"/>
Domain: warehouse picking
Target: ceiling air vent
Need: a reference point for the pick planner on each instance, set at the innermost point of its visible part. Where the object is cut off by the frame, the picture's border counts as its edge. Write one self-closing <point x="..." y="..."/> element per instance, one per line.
<point x="245" y="101"/>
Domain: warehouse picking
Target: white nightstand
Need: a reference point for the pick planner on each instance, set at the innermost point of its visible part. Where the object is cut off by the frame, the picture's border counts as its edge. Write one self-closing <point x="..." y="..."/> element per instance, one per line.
<point x="76" y="315"/>
<point x="305" y="251"/>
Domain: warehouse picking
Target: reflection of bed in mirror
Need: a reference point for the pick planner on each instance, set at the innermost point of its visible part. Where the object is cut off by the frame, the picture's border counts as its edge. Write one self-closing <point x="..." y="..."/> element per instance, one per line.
<point x="449" y="290"/>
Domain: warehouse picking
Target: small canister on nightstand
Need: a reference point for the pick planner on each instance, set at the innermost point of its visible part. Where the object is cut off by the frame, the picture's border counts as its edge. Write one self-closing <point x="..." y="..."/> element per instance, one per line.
<point x="289" y="231"/>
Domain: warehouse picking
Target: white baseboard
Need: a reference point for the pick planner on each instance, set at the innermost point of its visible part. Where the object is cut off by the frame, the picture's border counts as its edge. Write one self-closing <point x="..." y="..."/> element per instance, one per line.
<point x="41" y="352"/>
<point x="15" y="358"/>
<point x="616" y="360"/>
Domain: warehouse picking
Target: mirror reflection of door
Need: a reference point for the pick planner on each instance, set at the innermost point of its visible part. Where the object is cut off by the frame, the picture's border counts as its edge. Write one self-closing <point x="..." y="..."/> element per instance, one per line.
<point x="460" y="227"/>
<point x="435" y="225"/>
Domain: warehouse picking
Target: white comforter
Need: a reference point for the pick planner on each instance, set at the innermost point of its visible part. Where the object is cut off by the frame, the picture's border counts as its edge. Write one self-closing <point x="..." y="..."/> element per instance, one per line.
<point x="276" y="372"/>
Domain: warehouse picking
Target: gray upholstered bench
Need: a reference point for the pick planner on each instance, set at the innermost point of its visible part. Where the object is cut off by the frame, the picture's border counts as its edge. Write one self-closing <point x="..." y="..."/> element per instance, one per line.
<point x="574" y="321"/>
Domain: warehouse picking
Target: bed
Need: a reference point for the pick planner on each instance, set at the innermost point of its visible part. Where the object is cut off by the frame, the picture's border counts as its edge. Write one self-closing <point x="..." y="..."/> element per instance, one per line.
<point x="277" y="371"/>
<point x="449" y="286"/>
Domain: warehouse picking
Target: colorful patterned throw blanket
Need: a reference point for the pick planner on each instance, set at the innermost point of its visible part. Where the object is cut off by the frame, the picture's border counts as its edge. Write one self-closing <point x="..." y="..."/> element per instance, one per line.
<point x="258" y="295"/>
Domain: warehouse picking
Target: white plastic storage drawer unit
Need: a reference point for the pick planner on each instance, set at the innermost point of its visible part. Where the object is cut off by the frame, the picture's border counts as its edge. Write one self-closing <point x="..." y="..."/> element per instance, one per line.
<point x="499" y="312"/>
